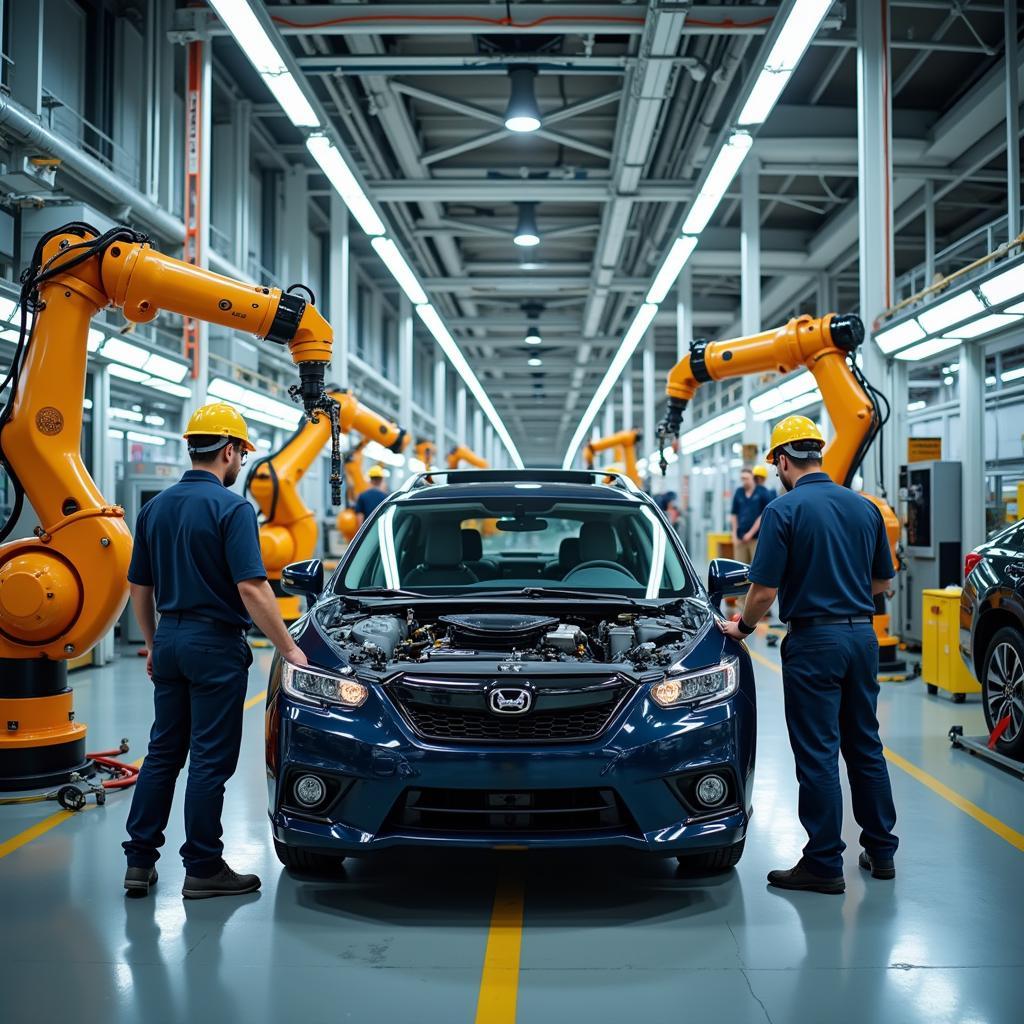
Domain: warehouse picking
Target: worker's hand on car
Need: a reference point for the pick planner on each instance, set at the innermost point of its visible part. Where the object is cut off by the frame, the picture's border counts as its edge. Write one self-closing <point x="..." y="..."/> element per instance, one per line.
<point x="730" y="627"/>
<point x="295" y="656"/>
<point x="149" y="663"/>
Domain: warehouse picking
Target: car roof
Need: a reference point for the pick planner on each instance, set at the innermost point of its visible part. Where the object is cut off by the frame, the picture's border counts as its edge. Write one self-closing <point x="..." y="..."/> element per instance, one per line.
<point x="474" y="485"/>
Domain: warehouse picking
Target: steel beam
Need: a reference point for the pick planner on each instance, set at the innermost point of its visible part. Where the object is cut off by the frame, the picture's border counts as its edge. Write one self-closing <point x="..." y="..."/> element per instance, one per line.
<point x="1012" y="73"/>
<point x="381" y="19"/>
<point x="511" y="190"/>
<point x="972" y="439"/>
<point x="339" y="292"/>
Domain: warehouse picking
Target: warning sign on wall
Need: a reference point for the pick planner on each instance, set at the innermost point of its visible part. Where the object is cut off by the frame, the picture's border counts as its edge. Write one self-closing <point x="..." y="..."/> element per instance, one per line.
<point x="924" y="449"/>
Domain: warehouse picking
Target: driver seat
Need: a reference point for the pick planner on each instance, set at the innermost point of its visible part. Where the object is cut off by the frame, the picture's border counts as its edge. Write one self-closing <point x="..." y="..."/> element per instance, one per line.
<point x="599" y="555"/>
<point x="442" y="563"/>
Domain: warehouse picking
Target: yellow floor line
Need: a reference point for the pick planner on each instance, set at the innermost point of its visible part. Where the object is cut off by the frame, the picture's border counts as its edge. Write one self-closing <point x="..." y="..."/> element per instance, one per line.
<point x="40" y="828"/>
<point x="499" y="982"/>
<point x="992" y="823"/>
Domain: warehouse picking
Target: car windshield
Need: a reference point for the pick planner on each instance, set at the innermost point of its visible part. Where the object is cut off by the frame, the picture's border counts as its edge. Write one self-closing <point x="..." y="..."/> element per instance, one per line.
<point x="510" y="543"/>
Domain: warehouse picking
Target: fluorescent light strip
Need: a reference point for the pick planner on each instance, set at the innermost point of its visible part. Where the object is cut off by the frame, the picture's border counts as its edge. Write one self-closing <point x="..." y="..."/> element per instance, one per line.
<point x="634" y="333"/>
<point x="785" y="408"/>
<point x="985" y="325"/>
<point x="378" y="453"/>
<point x="168" y="388"/>
<point x="256" y="44"/>
<point x="797" y="385"/>
<point x="916" y="406"/>
<point x="340" y="175"/>
<point x="933" y="347"/>
<point x="122" y="351"/>
<point x="674" y="263"/>
<point x="893" y="338"/>
<point x="1004" y="287"/>
<point x="951" y="311"/>
<point x="433" y="323"/>
<point x="169" y="369"/>
<point x="802" y="24"/>
<point x="719" y="178"/>
<point x="718" y="428"/>
<point x="400" y="270"/>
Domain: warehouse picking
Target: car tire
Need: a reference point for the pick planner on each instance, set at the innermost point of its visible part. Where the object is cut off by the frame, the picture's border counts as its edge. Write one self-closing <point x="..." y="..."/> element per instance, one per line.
<point x="1004" y="667"/>
<point x="722" y="858"/>
<point x="306" y="861"/>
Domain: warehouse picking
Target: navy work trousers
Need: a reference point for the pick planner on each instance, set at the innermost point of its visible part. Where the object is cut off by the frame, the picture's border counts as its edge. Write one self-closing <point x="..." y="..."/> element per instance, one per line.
<point x="200" y="672"/>
<point x="831" y="693"/>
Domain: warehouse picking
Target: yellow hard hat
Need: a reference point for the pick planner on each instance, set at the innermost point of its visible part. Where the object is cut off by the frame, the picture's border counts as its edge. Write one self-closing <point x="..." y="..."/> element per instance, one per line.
<point x="375" y="473"/>
<point x="760" y="471"/>
<point x="218" y="419"/>
<point x="793" y="428"/>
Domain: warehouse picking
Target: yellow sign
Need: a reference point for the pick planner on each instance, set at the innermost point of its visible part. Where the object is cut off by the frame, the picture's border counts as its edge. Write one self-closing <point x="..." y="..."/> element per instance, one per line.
<point x="924" y="449"/>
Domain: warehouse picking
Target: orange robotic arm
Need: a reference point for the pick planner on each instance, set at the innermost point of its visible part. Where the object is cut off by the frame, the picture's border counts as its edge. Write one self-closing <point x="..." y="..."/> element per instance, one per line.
<point x="426" y="452"/>
<point x="823" y="345"/>
<point x="624" y="445"/>
<point x="461" y="453"/>
<point x="63" y="589"/>
<point x="289" y="531"/>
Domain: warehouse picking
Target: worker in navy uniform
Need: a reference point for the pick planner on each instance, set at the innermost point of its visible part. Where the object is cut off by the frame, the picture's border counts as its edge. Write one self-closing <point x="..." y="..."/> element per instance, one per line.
<point x="373" y="495"/>
<point x="823" y="549"/>
<point x="196" y="562"/>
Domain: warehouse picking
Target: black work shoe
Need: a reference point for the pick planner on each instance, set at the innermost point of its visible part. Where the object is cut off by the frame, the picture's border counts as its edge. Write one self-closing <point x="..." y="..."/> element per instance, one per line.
<point x="225" y="883"/>
<point x="800" y="879"/>
<point x="138" y="881"/>
<point x="879" y="868"/>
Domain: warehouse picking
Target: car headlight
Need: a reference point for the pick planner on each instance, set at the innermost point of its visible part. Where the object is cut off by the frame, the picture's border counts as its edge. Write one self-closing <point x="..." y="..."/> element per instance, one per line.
<point x="312" y="683"/>
<point x="699" y="687"/>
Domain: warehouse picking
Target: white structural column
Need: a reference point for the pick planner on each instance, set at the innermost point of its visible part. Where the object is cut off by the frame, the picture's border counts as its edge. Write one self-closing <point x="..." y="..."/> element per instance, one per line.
<point x="241" y="152"/>
<point x="750" y="274"/>
<point x="684" y="338"/>
<point x="103" y="474"/>
<point x="440" y="406"/>
<point x="649" y="427"/>
<point x="460" y="415"/>
<point x="478" y="431"/>
<point x="296" y="226"/>
<point x="1012" y="120"/>
<point x="339" y="288"/>
<point x="929" y="232"/>
<point x="627" y="395"/>
<point x="874" y="164"/>
<point x="405" y="328"/>
<point x="205" y="142"/>
<point x="972" y="439"/>
<point x="609" y="417"/>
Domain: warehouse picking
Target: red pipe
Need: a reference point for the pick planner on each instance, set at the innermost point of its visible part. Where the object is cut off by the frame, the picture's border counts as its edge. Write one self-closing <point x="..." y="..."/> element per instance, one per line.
<point x="125" y="774"/>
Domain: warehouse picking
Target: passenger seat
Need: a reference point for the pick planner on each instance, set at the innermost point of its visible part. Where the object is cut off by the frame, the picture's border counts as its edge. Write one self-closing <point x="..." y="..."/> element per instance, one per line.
<point x="473" y="556"/>
<point x="568" y="558"/>
<point x="442" y="560"/>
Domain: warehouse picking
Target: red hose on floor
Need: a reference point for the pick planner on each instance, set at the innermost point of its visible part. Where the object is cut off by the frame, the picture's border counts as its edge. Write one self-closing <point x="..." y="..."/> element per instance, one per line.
<point x="997" y="732"/>
<point x="124" y="774"/>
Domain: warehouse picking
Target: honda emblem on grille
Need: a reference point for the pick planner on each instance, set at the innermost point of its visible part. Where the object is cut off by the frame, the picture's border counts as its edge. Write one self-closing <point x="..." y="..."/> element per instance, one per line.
<point x="510" y="700"/>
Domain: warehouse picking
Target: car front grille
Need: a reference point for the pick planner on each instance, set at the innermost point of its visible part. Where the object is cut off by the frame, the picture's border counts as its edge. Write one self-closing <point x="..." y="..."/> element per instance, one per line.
<point x="559" y="714"/>
<point x="509" y="813"/>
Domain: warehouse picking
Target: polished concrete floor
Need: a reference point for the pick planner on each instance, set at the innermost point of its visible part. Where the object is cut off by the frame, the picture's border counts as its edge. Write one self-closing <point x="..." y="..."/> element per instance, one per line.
<point x="604" y="938"/>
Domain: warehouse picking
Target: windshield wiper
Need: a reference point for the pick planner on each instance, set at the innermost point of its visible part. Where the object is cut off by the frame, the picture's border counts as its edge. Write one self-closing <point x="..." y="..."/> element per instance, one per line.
<point x="578" y="595"/>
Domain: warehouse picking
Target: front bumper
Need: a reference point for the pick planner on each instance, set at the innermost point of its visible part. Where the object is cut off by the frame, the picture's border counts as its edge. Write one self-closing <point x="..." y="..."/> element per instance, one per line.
<point x="376" y="760"/>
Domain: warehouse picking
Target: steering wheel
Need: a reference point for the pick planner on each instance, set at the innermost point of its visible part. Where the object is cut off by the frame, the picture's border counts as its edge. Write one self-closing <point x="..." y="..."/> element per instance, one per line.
<point x="598" y="563"/>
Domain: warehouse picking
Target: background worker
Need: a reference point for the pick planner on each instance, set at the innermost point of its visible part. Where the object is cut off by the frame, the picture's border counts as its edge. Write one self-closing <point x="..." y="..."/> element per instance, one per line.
<point x="748" y="502"/>
<point x="196" y="562"/>
<point x="761" y="480"/>
<point x="373" y="495"/>
<point x="823" y="548"/>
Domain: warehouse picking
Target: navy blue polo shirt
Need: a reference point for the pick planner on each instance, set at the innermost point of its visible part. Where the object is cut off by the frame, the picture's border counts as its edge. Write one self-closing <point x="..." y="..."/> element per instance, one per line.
<point x="747" y="509"/>
<point x="822" y="545"/>
<point x="194" y="543"/>
<point x="369" y="500"/>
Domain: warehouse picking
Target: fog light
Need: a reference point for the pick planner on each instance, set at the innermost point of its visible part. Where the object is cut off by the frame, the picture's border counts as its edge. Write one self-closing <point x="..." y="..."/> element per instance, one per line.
<point x="309" y="790"/>
<point x="711" y="790"/>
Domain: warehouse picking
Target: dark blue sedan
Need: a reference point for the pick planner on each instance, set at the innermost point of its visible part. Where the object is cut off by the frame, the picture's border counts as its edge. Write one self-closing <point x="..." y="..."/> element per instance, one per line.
<point x="516" y="659"/>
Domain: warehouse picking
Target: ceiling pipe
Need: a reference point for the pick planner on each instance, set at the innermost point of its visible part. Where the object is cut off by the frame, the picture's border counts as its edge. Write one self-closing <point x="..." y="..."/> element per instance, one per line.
<point x="20" y="123"/>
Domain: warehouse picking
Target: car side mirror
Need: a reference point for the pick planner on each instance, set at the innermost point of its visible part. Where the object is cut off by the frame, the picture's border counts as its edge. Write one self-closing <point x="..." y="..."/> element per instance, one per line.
<point x="304" y="578"/>
<point x="727" y="577"/>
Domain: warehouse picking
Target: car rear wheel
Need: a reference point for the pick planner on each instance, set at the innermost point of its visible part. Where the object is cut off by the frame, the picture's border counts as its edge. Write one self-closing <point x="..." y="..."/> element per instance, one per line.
<point x="720" y="859"/>
<point x="1002" y="686"/>
<point x="306" y="861"/>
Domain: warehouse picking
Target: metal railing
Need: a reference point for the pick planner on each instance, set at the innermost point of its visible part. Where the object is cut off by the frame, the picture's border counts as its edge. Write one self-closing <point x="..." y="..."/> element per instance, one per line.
<point x="97" y="143"/>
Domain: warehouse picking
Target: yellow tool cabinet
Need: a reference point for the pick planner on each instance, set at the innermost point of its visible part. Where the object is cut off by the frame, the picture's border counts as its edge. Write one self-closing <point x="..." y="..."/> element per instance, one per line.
<point x="720" y="546"/>
<point x="942" y="668"/>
